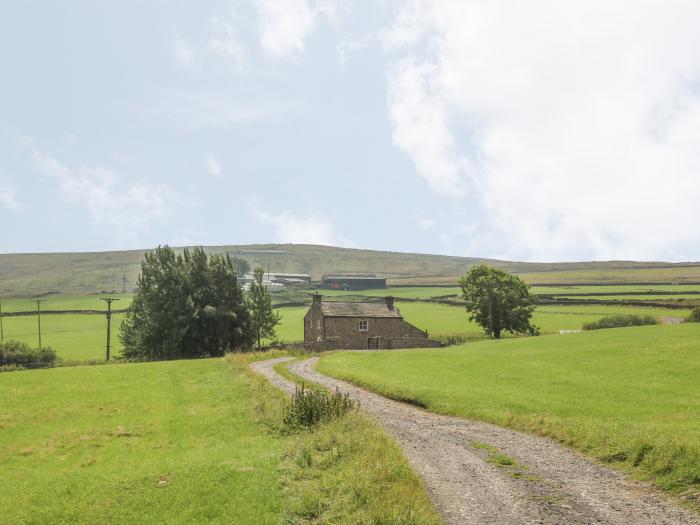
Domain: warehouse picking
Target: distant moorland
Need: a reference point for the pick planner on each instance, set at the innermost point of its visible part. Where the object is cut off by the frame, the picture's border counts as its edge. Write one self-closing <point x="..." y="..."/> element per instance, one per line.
<point x="25" y="275"/>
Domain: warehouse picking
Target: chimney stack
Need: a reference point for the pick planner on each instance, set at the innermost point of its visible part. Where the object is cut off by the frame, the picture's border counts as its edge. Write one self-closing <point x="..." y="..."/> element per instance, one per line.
<point x="317" y="298"/>
<point x="390" y="302"/>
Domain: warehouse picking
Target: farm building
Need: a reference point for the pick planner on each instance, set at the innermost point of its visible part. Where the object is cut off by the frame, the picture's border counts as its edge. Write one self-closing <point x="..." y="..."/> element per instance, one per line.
<point x="362" y="325"/>
<point x="353" y="282"/>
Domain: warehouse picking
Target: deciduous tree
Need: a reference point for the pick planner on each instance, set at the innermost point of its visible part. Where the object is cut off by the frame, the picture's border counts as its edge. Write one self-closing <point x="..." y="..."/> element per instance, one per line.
<point x="498" y="301"/>
<point x="263" y="318"/>
<point x="188" y="305"/>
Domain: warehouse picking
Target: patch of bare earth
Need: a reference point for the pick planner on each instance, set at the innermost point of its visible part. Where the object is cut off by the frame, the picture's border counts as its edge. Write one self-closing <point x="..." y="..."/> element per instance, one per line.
<point x="480" y="473"/>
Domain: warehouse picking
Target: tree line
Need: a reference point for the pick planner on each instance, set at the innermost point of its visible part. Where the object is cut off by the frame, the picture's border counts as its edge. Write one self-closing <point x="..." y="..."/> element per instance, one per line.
<point x="192" y="305"/>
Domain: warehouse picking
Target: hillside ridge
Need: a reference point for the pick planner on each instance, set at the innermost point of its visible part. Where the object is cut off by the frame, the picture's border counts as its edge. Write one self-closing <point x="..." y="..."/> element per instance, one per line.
<point x="26" y="274"/>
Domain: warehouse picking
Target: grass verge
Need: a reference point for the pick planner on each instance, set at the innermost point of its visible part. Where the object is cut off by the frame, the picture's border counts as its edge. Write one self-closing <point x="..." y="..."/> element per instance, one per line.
<point x="629" y="397"/>
<point x="348" y="471"/>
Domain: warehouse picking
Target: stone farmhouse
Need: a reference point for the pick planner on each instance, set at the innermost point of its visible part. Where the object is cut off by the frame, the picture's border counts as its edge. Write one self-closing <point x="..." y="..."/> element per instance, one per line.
<point x="353" y="325"/>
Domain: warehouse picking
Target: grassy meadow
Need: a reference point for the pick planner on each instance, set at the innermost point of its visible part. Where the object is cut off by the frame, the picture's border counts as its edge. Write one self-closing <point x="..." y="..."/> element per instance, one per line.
<point x="77" y="337"/>
<point x="444" y="320"/>
<point x="169" y="442"/>
<point x="627" y="396"/>
<point x="189" y="442"/>
<point x="83" y="336"/>
<point x="650" y="289"/>
<point x="405" y="292"/>
<point x="67" y="302"/>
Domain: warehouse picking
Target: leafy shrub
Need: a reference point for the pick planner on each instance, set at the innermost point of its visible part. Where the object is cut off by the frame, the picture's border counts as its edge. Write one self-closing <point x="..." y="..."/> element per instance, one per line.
<point x="15" y="354"/>
<point x="694" y="316"/>
<point x="310" y="407"/>
<point x="619" y="321"/>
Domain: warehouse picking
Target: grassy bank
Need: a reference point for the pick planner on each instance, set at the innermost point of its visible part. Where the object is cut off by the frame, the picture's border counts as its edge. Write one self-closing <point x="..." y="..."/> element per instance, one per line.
<point x="188" y="442"/>
<point x="345" y="472"/>
<point x="171" y="442"/>
<point x="74" y="336"/>
<point x="628" y="396"/>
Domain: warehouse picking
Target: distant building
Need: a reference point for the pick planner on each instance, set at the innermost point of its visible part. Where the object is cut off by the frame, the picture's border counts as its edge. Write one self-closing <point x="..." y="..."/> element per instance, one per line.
<point x="353" y="282"/>
<point x="362" y="325"/>
<point x="279" y="278"/>
<point x="269" y="285"/>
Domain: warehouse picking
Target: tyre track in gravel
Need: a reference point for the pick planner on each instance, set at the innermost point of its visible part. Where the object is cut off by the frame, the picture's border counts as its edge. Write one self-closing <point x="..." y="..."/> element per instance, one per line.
<point x="548" y="484"/>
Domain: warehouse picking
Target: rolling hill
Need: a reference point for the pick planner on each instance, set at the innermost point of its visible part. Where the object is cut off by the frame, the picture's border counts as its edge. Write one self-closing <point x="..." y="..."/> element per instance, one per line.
<point x="30" y="274"/>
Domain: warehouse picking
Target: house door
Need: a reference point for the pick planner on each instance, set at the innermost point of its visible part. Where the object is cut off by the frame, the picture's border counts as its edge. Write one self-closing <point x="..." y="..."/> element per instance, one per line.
<point x="373" y="343"/>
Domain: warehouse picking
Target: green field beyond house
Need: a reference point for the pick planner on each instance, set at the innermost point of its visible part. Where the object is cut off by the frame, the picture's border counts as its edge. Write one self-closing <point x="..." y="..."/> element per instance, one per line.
<point x="82" y="336"/>
<point x="628" y="396"/>
<point x="444" y="320"/>
<point x="170" y="442"/>
<point x="79" y="337"/>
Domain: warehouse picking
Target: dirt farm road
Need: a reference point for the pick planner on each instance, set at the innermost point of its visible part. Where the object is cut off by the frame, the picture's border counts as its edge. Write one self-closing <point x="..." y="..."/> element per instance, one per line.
<point x="548" y="483"/>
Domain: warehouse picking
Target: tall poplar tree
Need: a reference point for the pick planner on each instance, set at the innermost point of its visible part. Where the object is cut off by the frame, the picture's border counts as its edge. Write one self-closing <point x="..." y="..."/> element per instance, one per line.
<point x="263" y="318"/>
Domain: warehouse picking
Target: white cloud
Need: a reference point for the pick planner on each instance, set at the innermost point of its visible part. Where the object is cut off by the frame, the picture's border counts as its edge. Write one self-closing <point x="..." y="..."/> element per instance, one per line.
<point x="351" y="45"/>
<point x="126" y="208"/>
<point x="212" y="109"/>
<point x="425" y="222"/>
<point x="7" y="196"/>
<point x="226" y="43"/>
<point x="574" y="124"/>
<point x="212" y="164"/>
<point x="420" y="126"/>
<point x="182" y="50"/>
<point x="310" y="228"/>
<point x="284" y="25"/>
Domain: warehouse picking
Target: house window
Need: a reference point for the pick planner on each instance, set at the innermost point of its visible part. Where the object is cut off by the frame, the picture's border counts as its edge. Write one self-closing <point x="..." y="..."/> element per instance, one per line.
<point x="318" y="324"/>
<point x="363" y="325"/>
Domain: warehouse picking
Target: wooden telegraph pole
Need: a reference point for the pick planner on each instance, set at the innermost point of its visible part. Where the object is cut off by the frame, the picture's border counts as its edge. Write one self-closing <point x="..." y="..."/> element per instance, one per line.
<point x="109" y="301"/>
<point x="38" y="317"/>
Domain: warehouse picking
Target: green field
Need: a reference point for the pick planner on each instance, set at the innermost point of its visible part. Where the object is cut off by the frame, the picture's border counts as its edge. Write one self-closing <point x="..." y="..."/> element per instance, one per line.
<point x="83" y="336"/>
<point x="189" y="442"/>
<point x="646" y="297"/>
<point x="407" y="292"/>
<point x="170" y="442"/>
<point x="441" y="319"/>
<point x="67" y="302"/>
<point x="602" y="275"/>
<point x="616" y="290"/>
<point x="73" y="336"/>
<point x="629" y="396"/>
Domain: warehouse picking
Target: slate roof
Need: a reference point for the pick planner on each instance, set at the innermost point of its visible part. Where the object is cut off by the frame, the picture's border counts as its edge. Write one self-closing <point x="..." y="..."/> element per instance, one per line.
<point x="346" y="309"/>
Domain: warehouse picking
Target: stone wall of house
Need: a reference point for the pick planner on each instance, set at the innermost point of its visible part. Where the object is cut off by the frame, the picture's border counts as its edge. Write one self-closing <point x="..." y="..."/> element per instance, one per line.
<point x="346" y="330"/>
<point x="313" y="324"/>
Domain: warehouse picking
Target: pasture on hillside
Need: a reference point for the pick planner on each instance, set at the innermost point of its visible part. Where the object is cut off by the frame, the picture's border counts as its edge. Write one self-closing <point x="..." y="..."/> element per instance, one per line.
<point x="83" y="336"/>
<point x="79" y="337"/>
<point x="67" y="302"/>
<point x="627" y="396"/>
<point x="168" y="442"/>
<point x="443" y="320"/>
<point x="189" y="442"/>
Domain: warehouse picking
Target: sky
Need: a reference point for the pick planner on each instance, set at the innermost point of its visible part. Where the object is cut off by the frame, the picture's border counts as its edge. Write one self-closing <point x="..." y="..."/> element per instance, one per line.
<point x="534" y="131"/>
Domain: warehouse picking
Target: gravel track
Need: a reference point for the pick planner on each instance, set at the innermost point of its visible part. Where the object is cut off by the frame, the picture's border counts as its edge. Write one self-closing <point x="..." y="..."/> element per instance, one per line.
<point x="455" y="457"/>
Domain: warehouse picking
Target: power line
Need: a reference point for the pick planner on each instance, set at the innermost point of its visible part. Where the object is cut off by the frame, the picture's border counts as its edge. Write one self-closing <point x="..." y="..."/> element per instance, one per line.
<point x="38" y="317"/>
<point x="109" y="301"/>
<point x="2" y="334"/>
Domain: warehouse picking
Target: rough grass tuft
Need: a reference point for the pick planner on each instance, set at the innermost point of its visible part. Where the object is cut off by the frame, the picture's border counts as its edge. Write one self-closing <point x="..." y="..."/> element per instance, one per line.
<point x="308" y="408"/>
